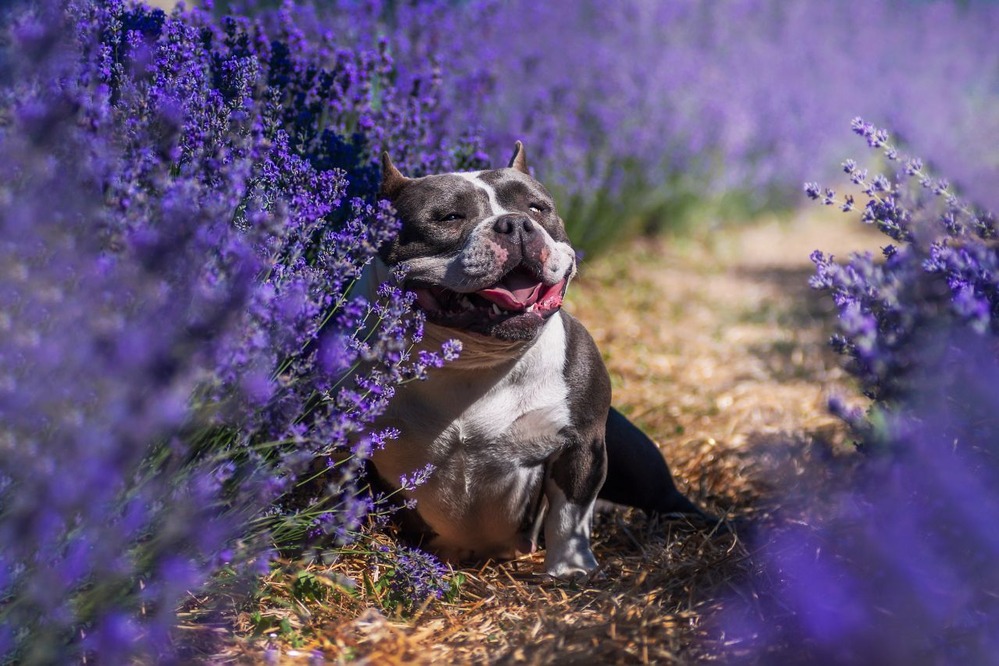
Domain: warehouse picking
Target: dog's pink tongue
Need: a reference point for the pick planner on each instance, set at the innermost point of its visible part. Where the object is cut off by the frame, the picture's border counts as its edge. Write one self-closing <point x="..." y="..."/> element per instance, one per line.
<point x="516" y="291"/>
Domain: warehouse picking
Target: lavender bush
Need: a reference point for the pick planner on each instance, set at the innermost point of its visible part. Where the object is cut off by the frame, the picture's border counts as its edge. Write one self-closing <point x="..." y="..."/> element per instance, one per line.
<point x="897" y="568"/>
<point x="185" y="203"/>
<point x="938" y="274"/>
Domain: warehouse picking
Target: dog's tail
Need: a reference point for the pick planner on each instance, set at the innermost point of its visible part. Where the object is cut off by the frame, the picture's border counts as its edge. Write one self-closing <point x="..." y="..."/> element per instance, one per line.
<point x="637" y="473"/>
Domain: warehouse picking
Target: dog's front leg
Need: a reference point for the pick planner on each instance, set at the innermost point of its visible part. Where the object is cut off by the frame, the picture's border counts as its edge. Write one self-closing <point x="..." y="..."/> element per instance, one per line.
<point x="572" y="482"/>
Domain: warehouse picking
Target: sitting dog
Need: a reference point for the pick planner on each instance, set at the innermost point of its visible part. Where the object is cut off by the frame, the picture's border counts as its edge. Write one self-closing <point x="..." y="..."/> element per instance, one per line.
<point x="519" y="429"/>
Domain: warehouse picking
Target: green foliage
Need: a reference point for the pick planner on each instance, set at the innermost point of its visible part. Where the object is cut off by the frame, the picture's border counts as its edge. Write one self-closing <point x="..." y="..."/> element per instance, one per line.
<point x="597" y="221"/>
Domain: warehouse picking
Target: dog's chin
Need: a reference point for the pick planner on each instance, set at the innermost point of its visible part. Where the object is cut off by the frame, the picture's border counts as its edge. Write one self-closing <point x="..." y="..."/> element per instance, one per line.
<point x="516" y="327"/>
<point x="513" y="309"/>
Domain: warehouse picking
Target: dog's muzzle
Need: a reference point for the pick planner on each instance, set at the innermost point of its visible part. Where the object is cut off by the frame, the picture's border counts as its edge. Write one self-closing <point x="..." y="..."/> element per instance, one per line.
<point x="519" y="293"/>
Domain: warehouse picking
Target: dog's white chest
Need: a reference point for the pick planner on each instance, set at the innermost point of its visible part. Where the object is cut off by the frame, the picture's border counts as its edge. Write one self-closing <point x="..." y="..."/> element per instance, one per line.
<point x="520" y="410"/>
<point x="487" y="432"/>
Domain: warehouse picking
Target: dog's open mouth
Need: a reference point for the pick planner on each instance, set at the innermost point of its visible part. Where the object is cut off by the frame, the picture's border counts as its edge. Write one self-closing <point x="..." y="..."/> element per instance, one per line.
<point x="518" y="293"/>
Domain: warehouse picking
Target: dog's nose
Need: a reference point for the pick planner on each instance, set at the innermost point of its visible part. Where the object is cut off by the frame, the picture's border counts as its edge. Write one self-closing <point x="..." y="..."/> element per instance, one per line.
<point x="513" y="225"/>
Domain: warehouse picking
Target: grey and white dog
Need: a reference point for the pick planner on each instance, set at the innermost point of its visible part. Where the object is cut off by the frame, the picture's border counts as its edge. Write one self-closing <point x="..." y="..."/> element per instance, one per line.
<point x="519" y="429"/>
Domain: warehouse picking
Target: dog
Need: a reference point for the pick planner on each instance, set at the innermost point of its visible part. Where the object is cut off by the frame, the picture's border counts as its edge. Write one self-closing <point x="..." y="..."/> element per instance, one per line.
<point x="519" y="429"/>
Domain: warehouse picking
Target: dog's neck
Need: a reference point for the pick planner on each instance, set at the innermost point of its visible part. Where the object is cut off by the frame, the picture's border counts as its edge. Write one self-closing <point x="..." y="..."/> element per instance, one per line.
<point x="477" y="351"/>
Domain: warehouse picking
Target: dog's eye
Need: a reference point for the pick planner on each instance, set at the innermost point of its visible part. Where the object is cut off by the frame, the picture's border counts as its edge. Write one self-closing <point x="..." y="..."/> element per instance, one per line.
<point x="451" y="217"/>
<point x="537" y="208"/>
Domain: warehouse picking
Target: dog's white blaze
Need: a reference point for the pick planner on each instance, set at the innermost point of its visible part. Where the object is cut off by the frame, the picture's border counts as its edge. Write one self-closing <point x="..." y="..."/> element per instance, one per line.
<point x="494" y="204"/>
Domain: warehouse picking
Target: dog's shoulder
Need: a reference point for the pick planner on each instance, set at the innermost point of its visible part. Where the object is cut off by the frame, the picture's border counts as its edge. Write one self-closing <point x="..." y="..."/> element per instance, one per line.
<point x="586" y="373"/>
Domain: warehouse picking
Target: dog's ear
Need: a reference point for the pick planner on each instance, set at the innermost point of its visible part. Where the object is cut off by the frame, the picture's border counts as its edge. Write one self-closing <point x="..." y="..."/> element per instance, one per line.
<point x="392" y="178"/>
<point x="519" y="159"/>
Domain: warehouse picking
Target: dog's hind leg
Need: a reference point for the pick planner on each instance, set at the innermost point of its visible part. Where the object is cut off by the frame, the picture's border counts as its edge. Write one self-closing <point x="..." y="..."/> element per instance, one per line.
<point x="637" y="474"/>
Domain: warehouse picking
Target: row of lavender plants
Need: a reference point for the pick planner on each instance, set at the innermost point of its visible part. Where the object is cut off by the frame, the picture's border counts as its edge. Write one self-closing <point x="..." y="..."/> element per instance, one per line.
<point x="185" y="203"/>
<point x="637" y="112"/>
<point x="898" y="567"/>
<point x="186" y="200"/>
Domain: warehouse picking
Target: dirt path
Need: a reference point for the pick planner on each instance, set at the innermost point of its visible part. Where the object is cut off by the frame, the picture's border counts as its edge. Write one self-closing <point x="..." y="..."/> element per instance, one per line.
<point x="717" y="348"/>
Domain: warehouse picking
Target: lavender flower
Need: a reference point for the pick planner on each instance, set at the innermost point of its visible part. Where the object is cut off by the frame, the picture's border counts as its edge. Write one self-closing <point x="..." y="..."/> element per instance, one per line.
<point x="410" y="577"/>
<point x="417" y="478"/>
<point x="631" y="108"/>
<point x="941" y="274"/>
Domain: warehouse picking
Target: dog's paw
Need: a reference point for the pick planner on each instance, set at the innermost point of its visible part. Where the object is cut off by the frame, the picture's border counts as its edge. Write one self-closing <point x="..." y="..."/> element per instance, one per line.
<point x="574" y="561"/>
<point x="569" y="573"/>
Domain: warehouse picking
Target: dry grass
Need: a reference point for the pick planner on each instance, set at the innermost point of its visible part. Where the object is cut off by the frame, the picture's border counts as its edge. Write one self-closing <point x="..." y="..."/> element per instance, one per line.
<point x="716" y="348"/>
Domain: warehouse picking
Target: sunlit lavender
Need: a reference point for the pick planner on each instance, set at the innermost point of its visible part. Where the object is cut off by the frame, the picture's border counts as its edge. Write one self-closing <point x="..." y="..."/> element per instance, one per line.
<point x="937" y="272"/>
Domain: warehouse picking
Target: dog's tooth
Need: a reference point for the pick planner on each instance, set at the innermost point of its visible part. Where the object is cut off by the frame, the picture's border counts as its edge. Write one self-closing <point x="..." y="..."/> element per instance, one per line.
<point x="530" y="308"/>
<point x="496" y="310"/>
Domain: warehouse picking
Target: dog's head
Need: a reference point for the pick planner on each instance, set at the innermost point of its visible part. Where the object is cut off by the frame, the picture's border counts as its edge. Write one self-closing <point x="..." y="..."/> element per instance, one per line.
<point x="484" y="251"/>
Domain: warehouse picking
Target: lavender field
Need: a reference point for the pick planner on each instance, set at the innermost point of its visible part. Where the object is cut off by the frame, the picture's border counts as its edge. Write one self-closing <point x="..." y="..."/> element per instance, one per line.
<point x="189" y="380"/>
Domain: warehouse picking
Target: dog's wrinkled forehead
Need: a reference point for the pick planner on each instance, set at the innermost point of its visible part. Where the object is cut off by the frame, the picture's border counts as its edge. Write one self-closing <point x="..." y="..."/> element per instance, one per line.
<point x="442" y="209"/>
<point x="513" y="190"/>
<point x="471" y="194"/>
<point x="436" y="197"/>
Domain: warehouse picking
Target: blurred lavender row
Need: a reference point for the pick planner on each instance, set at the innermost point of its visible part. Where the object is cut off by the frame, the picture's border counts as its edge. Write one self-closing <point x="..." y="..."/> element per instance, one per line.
<point x="635" y="110"/>
<point x="895" y="562"/>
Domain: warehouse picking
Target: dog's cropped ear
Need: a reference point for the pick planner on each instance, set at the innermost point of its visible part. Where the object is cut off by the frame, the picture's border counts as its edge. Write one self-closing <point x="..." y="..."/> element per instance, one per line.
<point x="519" y="159"/>
<point x="392" y="178"/>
